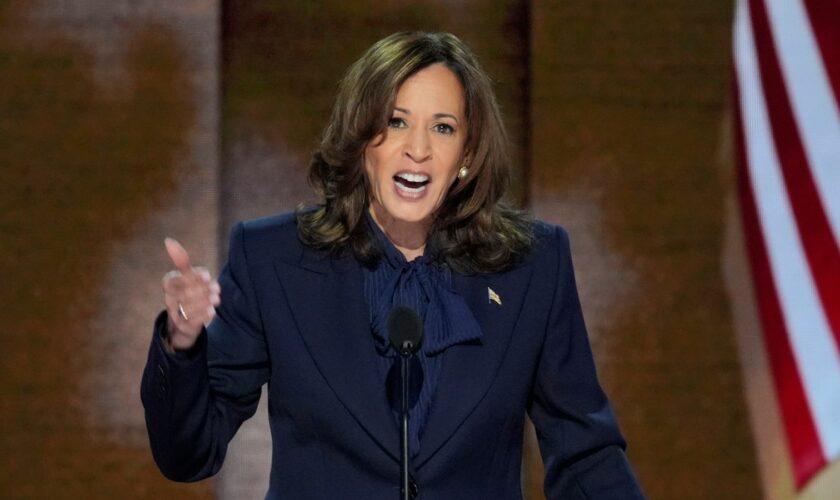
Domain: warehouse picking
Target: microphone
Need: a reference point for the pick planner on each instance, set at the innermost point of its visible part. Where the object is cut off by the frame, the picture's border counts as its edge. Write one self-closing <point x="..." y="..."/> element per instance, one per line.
<point x="405" y="331"/>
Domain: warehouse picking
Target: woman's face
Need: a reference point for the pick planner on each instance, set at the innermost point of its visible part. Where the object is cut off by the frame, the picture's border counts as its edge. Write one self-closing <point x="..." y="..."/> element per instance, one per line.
<point x="411" y="165"/>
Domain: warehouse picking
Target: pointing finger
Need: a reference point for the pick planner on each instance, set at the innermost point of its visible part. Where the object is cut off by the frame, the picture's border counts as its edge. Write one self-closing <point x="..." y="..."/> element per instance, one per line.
<point x="178" y="255"/>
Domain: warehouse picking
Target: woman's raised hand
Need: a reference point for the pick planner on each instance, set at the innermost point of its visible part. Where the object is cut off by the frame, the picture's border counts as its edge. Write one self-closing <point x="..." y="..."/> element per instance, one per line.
<point x="191" y="295"/>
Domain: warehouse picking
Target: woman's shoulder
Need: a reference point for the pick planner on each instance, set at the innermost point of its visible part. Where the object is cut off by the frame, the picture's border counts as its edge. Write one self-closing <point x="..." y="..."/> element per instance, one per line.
<point x="551" y="241"/>
<point x="272" y="225"/>
<point x="269" y="237"/>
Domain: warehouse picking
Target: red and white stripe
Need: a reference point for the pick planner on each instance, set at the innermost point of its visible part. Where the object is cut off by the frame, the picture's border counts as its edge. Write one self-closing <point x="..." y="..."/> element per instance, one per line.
<point x="787" y="84"/>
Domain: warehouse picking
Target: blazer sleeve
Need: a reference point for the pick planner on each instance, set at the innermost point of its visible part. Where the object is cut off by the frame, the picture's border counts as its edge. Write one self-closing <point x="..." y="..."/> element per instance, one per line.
<point x="581" y="445"/>
<point x="196" y="400"/>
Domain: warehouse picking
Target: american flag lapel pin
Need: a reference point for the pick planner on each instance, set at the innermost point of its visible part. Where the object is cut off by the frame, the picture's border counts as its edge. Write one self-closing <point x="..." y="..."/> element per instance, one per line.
<point x="493" y="296"/>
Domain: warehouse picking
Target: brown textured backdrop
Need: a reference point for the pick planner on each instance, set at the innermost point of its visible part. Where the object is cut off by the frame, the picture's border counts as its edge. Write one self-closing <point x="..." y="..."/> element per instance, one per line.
<point x="111" y="138"/>
<point x="81" y="164"/>
<point x="630" y="103"/>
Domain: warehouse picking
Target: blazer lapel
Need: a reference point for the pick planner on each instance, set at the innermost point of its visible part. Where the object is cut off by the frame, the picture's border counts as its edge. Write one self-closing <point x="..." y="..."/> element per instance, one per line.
<point x="327" y="300"/>
<point x="469" y="369"/>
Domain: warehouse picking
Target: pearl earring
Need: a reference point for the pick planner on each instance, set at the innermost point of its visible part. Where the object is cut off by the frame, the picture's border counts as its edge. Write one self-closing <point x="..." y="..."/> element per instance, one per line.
<point x="463" y="172"/>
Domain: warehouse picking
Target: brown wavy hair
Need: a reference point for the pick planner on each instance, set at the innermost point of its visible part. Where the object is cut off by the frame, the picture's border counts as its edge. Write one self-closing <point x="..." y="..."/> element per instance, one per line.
<point x="474" y="231"/>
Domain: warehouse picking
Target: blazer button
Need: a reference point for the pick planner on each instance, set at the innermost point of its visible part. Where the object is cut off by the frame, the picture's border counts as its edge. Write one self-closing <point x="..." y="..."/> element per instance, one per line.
<point x="413" y="489"/>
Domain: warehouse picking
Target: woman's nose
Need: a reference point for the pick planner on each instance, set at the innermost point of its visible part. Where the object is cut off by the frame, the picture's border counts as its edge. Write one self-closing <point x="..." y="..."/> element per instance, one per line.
<point x="417" y="146"/>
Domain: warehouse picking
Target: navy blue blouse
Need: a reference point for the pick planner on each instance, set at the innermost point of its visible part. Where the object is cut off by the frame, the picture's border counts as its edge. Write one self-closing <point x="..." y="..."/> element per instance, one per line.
<point x="426" y="287"/>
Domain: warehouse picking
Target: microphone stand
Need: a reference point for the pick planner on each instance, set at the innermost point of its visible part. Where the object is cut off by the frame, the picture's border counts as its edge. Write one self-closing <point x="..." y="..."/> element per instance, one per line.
<point x="405" y="355"/>
<point x="405" y="332"/>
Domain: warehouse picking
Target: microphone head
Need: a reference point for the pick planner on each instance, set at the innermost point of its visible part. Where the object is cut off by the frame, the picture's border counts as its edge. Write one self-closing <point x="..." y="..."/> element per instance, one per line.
<point x="405" y="330"/>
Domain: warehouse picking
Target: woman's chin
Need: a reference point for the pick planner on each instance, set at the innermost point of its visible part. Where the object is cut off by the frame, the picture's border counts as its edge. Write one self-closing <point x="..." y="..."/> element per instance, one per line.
<point x="407" y="213"/>
<point x="411" y="218"/>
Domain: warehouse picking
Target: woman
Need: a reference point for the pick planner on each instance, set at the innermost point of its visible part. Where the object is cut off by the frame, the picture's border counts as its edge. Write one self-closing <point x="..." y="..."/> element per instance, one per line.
<point x="411" y="170"/>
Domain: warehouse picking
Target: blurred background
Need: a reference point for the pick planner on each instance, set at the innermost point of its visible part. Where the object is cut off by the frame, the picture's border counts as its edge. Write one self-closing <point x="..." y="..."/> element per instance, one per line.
<point x="126" y="121"/>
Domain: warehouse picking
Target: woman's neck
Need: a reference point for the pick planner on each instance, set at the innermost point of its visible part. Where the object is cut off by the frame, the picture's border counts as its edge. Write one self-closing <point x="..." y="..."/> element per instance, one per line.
<point x="408" y="237"/>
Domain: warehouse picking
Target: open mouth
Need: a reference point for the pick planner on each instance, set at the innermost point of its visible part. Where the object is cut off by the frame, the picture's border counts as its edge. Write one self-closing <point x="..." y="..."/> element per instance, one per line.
<point x="412" y="183"/>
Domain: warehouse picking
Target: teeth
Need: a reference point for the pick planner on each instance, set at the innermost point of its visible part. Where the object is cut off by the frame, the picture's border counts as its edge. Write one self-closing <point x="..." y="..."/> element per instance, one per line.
<point x="413" y="177"/>
<point x="407" y="189"/>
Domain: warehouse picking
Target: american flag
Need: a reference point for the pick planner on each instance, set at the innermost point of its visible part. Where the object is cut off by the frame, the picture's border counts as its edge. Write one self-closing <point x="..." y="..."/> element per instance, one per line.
<point x="786" y="88"/>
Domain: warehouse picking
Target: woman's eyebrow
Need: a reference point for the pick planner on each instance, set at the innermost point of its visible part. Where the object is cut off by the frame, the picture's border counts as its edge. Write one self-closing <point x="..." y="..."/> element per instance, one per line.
<point x="446" y="115"/>
<point x="436" y="115"/>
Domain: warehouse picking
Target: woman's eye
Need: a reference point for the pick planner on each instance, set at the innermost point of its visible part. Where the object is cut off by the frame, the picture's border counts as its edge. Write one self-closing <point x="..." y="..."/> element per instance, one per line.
<point x="444" y="128"/>
<point x="396" y="123"/>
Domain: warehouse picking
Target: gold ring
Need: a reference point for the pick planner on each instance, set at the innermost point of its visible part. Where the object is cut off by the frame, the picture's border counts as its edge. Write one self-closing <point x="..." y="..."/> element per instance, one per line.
<point x="182" y="313"/>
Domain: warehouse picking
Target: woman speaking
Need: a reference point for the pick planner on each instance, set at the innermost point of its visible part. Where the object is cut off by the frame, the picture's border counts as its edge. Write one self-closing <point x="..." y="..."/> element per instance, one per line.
<point x="410" y="171"/>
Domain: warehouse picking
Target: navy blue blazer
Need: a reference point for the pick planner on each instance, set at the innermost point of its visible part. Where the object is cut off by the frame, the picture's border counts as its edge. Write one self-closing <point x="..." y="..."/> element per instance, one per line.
<point x="297" y="319"/>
